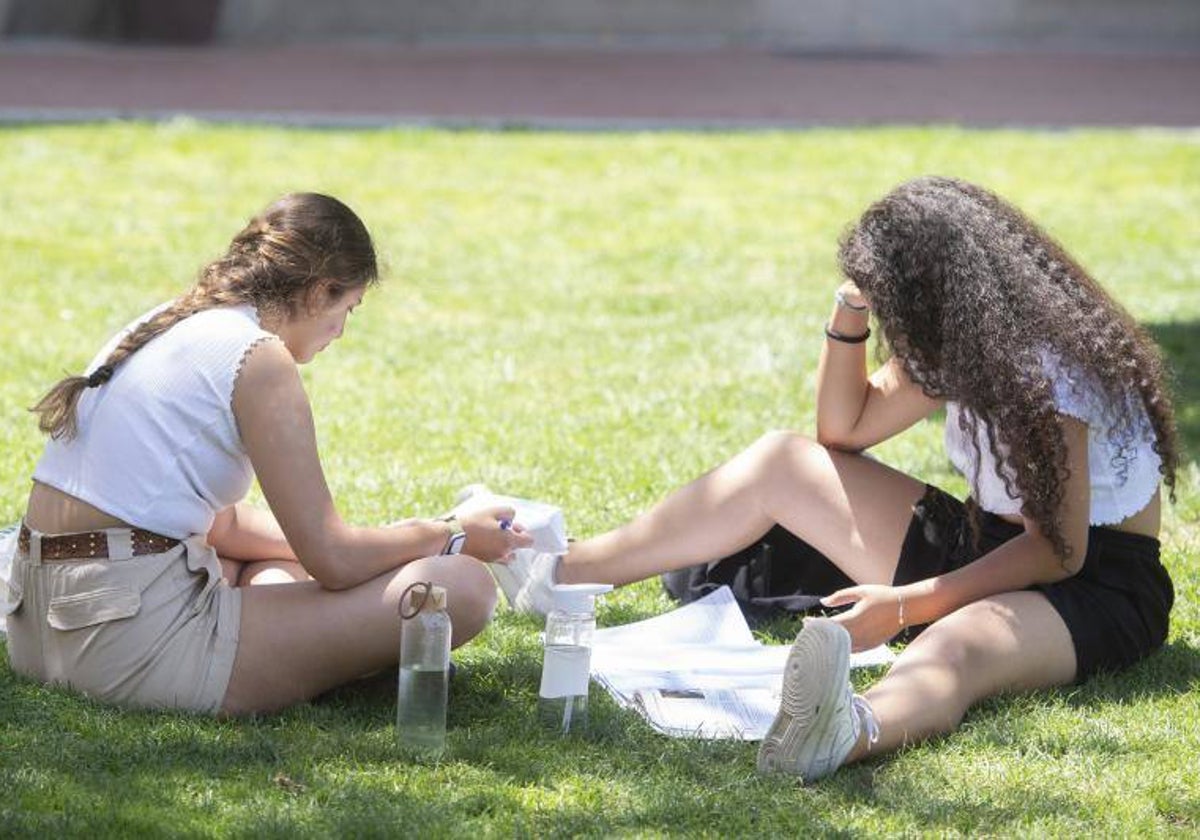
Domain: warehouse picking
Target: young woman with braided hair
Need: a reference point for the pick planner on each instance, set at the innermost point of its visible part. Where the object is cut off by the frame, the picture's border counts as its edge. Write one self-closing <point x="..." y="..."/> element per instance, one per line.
<point x="1058" y="414"/>
<point x="137" y="558"/>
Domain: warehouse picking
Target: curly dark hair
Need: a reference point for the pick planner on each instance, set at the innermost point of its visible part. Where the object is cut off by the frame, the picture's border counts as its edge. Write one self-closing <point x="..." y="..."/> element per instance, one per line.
<point x="970" y="293"/>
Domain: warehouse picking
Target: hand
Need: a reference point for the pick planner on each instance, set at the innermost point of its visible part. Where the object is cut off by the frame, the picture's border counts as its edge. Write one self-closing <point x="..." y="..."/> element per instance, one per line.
<point x="492" y="535"/>
<point x="853" y="296"/>
<point x="874" y="618"/>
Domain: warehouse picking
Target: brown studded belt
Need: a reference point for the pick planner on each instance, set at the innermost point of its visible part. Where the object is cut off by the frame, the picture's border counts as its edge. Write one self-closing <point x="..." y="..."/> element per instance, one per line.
<point x="93" y="545"/>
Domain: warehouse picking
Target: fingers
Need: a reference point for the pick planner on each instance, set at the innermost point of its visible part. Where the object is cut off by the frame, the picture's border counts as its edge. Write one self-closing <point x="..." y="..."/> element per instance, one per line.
<point x="521" y="539"/>
<point x="842" y="597"/>
<point x="516" y="533"/>
<point x="516" y="539"/>
<point x="497" y="512"/>
<point x="493" y="536"/>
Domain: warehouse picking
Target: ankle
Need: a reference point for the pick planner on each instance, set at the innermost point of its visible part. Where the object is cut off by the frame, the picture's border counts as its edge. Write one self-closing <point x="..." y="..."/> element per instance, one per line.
<point x="561" y="572"/>
<point x="867" y="742"/>
<point x="862" y="749"/>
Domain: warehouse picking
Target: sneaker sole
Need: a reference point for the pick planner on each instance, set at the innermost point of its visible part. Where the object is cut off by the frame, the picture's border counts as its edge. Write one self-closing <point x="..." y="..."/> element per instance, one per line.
<point x="806" y="704"/>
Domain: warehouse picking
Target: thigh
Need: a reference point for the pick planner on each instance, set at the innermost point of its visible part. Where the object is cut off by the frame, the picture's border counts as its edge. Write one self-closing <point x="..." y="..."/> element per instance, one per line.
<point x="1015" y="641"/>
<point x="299" y="639"/>
<point x="852" y="508"/>
<point x="1010" y="642"/>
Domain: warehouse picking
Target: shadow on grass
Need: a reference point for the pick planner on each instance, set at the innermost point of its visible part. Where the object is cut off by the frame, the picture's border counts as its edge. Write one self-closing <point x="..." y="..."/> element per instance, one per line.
<point x="1173" y="670"/>
<point x="1180" y="343"/>
<point x="331" y="768"/>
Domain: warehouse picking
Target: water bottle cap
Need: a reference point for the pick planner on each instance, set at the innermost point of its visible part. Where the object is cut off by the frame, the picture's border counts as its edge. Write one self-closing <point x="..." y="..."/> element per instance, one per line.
<point x="578" y="597"/>
<point x="422" y="597"/>
<point x="437" y="599"/>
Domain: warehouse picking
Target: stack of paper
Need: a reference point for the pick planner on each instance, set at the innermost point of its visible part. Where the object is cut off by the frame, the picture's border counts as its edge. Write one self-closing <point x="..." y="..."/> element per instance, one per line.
<point x="698" y="672"/>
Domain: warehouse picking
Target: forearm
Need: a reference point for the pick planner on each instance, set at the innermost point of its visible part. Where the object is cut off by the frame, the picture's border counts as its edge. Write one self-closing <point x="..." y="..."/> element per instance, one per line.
<point x="842" y="383"/>
<point x="346" y="556"/>
<point x="244" y="532"/>
<point x="1021" y="562"/>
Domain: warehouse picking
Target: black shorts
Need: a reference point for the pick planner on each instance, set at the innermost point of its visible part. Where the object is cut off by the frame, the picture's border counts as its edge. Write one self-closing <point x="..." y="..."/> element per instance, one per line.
<point x="1116" y="607"/>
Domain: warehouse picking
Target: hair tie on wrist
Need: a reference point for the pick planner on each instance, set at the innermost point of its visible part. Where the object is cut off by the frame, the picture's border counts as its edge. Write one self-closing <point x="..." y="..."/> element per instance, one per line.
<point x="847" y="339"/>
<point x="99" y="376"/>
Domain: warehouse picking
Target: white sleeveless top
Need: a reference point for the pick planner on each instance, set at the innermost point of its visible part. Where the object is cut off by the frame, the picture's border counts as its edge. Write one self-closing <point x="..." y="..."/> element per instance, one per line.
<point x="1118" y="490"/>
<point x="158" y="446"/>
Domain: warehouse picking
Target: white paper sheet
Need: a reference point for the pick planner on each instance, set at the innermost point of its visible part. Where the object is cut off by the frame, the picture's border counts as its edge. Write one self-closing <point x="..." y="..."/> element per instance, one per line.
<point x="698" y="672"/>
<point x="731" y="714"/>
<point x="715" y="619"/>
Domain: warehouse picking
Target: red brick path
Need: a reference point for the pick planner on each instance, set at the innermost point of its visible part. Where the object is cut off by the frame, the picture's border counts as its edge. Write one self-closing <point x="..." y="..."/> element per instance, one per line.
<point x="375" y="84"/>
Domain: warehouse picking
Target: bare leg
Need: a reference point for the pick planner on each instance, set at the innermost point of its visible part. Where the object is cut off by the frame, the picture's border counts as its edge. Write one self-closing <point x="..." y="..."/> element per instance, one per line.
<point x="231" y="570"/>
<point x="852" y="509"/>
<point x="298" y="639"/>
<point x="259" y="572"/>
<point x="1010" y="642"/>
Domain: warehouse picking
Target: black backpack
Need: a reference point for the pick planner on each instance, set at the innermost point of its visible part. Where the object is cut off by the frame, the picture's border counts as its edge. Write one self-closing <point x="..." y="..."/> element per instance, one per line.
<point x="779" y="574"/>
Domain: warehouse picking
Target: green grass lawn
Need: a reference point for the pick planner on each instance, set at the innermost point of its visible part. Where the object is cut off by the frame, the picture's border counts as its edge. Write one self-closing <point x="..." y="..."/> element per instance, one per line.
<point x="593" y="320"/>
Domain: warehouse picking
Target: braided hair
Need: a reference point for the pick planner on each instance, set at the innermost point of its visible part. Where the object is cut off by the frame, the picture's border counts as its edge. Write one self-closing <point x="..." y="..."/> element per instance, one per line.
<point x="299" y="245"/>
<point x="970" y="293"/>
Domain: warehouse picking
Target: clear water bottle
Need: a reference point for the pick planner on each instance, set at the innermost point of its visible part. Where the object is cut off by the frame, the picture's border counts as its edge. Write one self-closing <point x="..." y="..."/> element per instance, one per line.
<point x="567" y="656"/>
<point x="424" y="668"/>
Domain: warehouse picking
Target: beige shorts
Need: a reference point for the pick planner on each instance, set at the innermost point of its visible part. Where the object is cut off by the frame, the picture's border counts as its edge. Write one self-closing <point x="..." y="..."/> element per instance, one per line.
<point x="157" y="631"/>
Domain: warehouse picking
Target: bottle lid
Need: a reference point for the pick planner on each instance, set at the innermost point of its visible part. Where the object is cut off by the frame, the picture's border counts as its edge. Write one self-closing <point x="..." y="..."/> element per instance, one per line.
<point x="436" y="599"/>
<point x="420" y="598"/>
<point x="578" y="597"/>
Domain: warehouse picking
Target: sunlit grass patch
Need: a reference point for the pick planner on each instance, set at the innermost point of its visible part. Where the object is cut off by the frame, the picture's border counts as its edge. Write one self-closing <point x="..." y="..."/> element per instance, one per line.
<point x="593" y="320"/>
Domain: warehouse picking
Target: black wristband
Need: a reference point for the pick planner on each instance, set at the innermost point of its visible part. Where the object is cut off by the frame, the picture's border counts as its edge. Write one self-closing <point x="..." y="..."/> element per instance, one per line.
<point x="847" y="339"/>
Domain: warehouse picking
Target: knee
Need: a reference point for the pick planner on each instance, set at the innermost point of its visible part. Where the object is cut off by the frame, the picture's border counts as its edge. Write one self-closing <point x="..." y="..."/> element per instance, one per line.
<point x="959" y="641"/>
<point x="470" y="591"/>
<point x="475" y="588"/>
<point x="471" y="594"/>
<point x="271" y="571"/>
<point x="788" y="455"/>
<point x="780" y="444"/>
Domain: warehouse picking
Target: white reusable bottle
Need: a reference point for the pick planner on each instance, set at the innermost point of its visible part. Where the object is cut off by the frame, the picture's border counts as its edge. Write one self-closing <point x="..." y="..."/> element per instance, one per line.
<point x="424" y="668"/>
<point x="567" y="656"/>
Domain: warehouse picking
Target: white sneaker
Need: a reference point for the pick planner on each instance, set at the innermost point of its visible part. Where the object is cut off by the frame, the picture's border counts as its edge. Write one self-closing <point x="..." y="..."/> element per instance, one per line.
<point x="820" y="717"/>
<point x="527" y="579"/>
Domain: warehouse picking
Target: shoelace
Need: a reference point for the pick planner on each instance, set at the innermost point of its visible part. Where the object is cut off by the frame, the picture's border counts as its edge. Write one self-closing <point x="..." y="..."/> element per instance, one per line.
<point x="865" y="716"/>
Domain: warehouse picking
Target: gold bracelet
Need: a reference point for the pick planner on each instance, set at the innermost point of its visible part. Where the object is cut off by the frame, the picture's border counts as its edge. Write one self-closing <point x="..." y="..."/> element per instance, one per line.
<point x="900" y="617"/>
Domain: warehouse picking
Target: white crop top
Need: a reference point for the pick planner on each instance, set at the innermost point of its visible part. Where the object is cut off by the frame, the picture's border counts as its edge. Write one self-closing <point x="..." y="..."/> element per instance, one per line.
<point x="1117" y="491"/>
<point x="158" y="446"/>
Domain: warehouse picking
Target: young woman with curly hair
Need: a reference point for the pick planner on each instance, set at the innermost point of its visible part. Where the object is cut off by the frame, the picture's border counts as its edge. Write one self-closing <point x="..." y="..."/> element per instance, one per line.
<point x="135" y="579"/>
<point x="1058" y="414"/>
